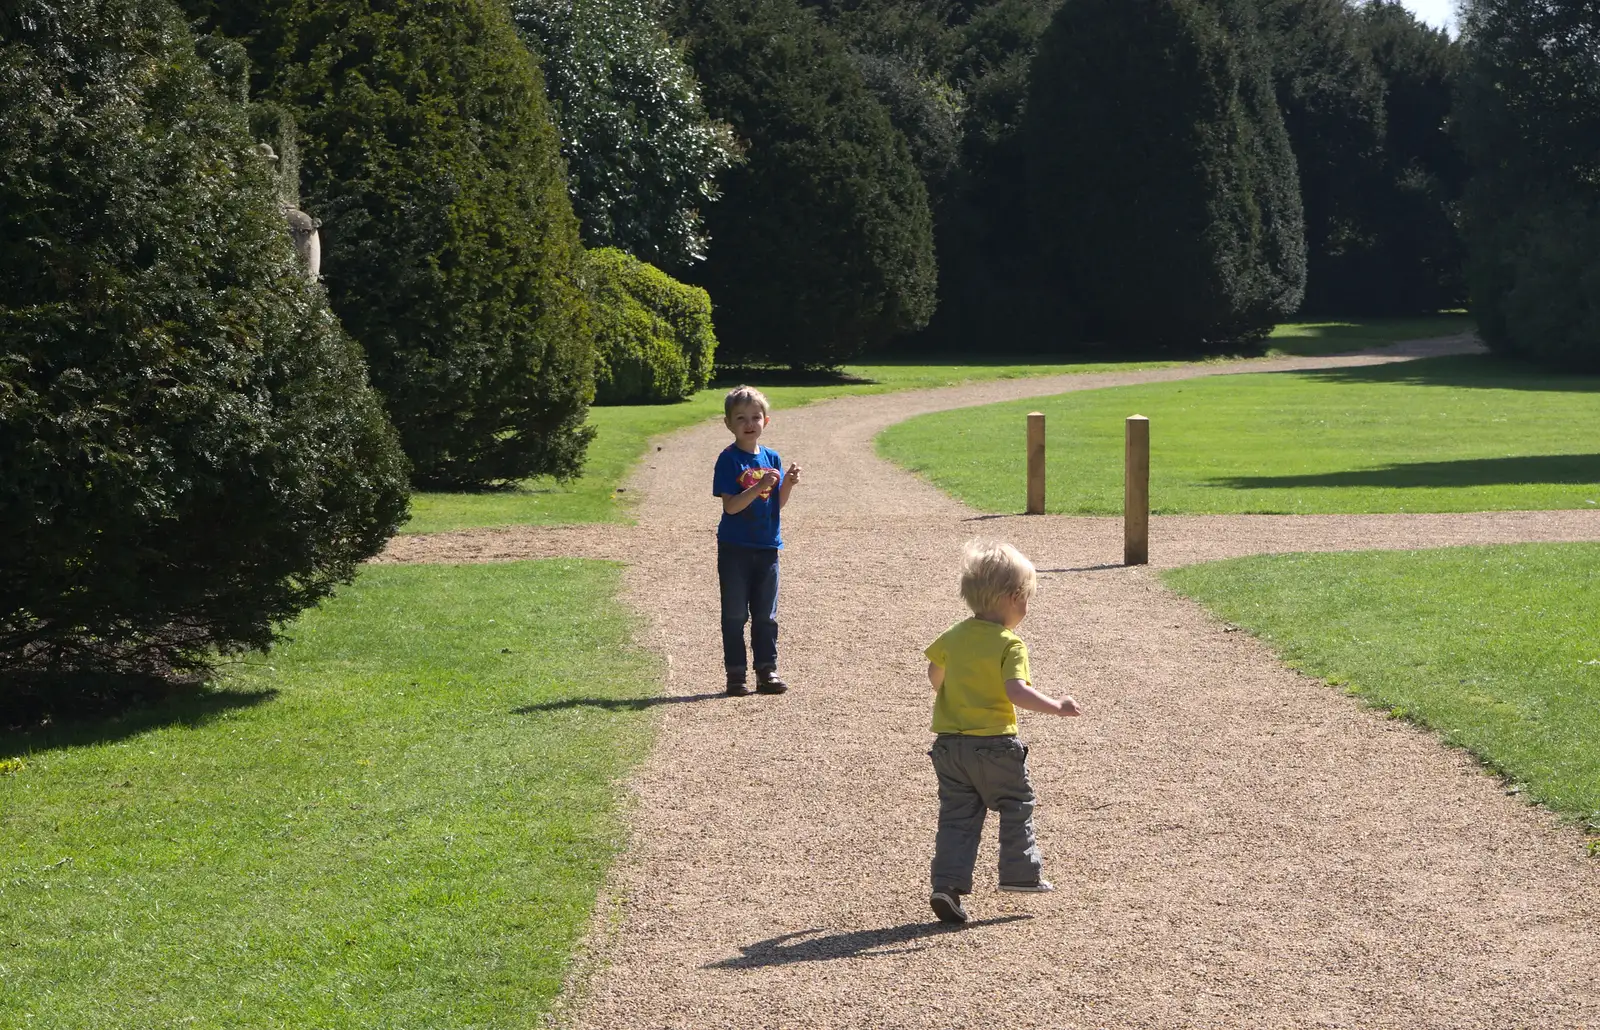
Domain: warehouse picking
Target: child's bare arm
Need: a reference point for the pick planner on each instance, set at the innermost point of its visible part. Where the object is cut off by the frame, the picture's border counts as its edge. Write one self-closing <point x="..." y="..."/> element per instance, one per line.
<point x="936" y="675"/>
<point x="1023" y="696"/>
<point x="733" y="504"/>
<point x="790" y="479"/>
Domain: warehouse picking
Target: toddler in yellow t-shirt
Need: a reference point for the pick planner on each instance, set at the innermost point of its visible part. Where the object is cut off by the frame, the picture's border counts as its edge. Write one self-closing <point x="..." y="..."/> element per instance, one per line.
<point x="979" y="671"/>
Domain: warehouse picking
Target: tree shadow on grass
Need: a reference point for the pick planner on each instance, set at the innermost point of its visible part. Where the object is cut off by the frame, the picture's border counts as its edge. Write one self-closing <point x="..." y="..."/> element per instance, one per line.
<point x="1549" y="469"/>
<point x="804" y="946"/>
<point x="103" y="710"/>
<point x="613" y="704"/>
<point x="727" y="378"/>
<point x="1466" y="371"/>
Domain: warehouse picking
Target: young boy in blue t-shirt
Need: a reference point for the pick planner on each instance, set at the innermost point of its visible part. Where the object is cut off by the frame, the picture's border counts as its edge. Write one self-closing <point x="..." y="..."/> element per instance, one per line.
<point x="753" y="489"/>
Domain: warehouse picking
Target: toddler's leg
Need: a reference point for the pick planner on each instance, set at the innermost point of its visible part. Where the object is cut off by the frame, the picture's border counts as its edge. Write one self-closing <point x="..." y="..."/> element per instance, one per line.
<point x="961" y="814"/>
<point x="733" y="579"/>
<point x="1002" y="776"/>
<point x="764" y="609"/>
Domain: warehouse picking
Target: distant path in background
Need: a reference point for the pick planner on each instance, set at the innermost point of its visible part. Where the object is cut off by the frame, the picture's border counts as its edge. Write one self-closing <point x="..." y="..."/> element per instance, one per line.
<point x="1234" y="844"/>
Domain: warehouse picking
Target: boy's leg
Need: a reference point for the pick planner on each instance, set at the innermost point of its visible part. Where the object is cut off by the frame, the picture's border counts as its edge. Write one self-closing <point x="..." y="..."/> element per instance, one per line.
<point x="961" y="814"/>
<point x="733" y="578"/>
<point x="764" y="608"/>
<point x="1000" y="772"/>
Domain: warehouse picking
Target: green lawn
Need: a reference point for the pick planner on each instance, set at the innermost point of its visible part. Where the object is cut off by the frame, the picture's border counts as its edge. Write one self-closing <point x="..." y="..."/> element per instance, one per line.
<point x="624" y="432"/>
<point x="400" y="819"/>
<point x="1311" y="339"/>
<point x="1445" y="434"/>
<point x="1496" y="648"/>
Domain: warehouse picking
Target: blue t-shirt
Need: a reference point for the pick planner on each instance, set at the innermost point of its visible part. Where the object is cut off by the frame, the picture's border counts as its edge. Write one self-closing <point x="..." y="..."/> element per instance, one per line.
<point x="736" y="472"/>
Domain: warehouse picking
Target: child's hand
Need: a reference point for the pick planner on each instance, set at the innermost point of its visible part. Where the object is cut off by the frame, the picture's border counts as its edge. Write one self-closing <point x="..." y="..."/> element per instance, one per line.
<point x="769" y="479"/>
<point x="1068" y="706"/>
<point x="794" y="473"/>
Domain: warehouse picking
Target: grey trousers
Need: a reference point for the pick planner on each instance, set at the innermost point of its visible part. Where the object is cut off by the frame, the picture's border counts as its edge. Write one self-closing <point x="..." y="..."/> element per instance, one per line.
<point x="977" y="774"/>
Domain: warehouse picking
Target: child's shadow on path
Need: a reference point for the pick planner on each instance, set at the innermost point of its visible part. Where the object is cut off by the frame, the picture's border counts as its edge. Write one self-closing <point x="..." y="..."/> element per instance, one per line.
<point x="615" y="704"/>
<point x="777" y="951"/>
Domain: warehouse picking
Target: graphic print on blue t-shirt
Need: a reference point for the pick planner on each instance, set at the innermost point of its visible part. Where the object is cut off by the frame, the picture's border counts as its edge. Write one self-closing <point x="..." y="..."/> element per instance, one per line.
<point x="736" y="472"/>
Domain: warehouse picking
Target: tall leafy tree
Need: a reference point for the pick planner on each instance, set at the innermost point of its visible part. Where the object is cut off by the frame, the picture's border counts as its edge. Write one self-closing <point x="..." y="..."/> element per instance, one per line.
<point x="190" y="450"/>
<point x="824" y="237"/>
<point x="450" y="248"/>
<point x="1530" y="114"/>
<point x="643" y="157"/>
<point x="1163" y="188"/>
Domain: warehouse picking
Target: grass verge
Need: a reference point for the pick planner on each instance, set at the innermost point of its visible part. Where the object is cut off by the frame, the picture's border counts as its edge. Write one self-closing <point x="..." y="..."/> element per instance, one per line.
<point x="1313" y="339"/>
<point x="1444" y="434"/>
<point x="1495" y="648"/>
<point x="398" y="819"/>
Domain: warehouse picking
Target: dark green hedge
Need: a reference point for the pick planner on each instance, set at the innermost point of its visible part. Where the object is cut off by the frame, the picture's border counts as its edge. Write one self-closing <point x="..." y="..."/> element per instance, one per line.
<point x="1162" y="184"/>
<point x="449" y="244"/>
<point x="822" y="245"/>
<point x="189" y="448"/>
<point x="653" y="339"/>
<point x="1531" y="123"/>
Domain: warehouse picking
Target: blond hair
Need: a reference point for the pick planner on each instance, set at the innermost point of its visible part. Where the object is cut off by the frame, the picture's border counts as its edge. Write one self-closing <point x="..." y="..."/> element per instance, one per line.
<point x="991" y="571"/>
<point x="744" y="395"/>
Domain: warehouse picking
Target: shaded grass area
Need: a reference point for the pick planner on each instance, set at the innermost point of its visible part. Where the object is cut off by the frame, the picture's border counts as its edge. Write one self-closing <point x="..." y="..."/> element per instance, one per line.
<point x="1313" y="339"/>
<point x="1468" y="433"/>
<point x="624" y="431"/>
<point x="399" y="819"/>
<point x="1495" y="648"/>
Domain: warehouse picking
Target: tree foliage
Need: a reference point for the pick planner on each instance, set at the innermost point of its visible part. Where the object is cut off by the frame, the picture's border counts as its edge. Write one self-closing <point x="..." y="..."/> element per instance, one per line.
<point x="450" y="248"/>
<point x="824" y="240"/>
<point x="1530" y="114"/>
<point x="654" y="341"/>
<point x="642" y="154"/>
<point x="190" y="450"/>
<point x="1163" y="189"/>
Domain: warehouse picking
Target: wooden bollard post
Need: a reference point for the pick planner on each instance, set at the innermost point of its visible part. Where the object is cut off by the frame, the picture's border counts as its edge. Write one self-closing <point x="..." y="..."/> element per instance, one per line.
<point x="1035" y="463"/>
<point x="1136" y="492"/>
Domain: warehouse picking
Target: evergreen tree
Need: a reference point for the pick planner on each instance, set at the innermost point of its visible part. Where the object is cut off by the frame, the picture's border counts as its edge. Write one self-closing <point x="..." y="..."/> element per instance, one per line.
<point x="642" y="154"/>
<point x="1530" y="118"/>
<point x="1414" y="261"/>
<point x="824" y="241"/>
<point x="190" y="450"/>
<point x="1332" y="100"/>
<point x="450" y="248"/>
<point x="1162" y="184"/>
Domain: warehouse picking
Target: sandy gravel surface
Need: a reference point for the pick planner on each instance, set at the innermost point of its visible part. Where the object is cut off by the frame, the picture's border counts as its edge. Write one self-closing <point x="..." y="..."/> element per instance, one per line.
<point x="1235" y="845"/>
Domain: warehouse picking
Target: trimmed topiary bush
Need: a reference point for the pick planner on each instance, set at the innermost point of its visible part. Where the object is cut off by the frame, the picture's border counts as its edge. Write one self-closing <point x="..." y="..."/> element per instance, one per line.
<point x="823" y="241"/>
<point x="450" y="247"/>
<point x="653" y="339"/>
<point x="190" y="451"/>
<point x="1162" y="185"/>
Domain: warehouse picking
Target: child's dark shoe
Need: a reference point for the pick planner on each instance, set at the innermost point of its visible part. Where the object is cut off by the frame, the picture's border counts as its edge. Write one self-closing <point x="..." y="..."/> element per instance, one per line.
<point x="736" y="684"/>
<point x="767" y="682"/>
<point x="946" y="902"/>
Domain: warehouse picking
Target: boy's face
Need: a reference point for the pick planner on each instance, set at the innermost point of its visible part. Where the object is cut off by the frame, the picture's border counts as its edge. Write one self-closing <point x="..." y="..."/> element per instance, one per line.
<point x="746" y="422"/>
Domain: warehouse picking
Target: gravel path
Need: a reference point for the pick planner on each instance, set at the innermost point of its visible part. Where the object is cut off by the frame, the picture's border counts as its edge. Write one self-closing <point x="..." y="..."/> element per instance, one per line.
<point x="1234" y="845"/>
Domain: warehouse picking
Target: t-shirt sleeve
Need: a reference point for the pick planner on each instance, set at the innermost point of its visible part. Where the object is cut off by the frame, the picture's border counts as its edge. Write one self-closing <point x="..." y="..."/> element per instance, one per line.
<point x="937" y="653"/>
<point x="1014" y="663"/>
<point x="725" y="477"/>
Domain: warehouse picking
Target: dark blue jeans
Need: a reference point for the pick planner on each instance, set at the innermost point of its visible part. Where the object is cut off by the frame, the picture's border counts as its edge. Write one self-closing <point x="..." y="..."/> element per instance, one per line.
<point x="749" y="580"/>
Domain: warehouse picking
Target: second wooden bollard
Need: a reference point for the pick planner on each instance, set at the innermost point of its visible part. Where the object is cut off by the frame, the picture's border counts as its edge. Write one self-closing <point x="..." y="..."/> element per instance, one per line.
<point x="1035" y="463"/>
<point x="1136" y="492"/>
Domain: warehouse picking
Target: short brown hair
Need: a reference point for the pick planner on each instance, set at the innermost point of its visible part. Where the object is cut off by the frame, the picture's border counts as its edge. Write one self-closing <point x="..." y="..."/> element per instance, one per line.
<point x="992" y="570"/>
<point x="744" y="395"/>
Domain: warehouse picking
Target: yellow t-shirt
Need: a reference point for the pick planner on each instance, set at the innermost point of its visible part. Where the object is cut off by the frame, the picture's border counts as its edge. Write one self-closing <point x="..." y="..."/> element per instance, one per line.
<point x="977" y="657"/>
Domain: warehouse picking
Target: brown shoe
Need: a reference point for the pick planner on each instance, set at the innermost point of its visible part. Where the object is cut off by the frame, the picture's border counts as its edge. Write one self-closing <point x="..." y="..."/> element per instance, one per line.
<point x="736" y="684"/>
<point x="767" y="682"/>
